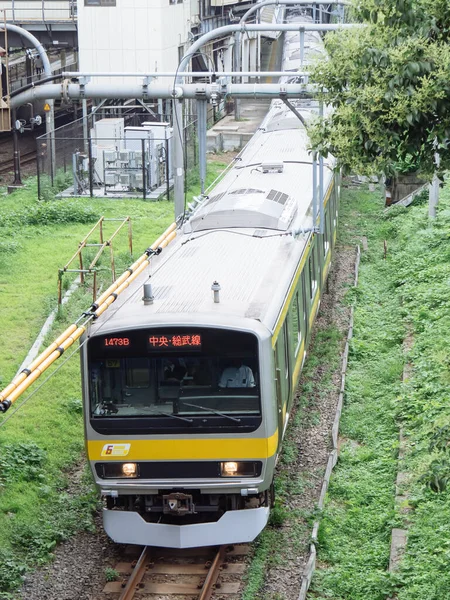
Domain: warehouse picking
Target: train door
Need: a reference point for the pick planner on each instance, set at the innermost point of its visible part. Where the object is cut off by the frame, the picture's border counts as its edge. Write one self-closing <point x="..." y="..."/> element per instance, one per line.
<point x="282" y="377"/>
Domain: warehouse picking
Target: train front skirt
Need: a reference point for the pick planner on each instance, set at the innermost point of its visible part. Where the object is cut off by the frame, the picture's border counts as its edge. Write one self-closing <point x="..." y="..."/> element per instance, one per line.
<point x="233" y="527"/>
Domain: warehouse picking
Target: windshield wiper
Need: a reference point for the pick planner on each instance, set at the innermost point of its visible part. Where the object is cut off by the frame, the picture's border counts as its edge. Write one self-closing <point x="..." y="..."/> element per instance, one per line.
<point x="211" y="410"/>
<point x="160" y="412"/>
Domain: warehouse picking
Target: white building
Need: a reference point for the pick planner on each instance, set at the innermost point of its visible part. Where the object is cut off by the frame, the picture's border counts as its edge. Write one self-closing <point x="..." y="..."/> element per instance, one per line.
<point x="133" y="35"/>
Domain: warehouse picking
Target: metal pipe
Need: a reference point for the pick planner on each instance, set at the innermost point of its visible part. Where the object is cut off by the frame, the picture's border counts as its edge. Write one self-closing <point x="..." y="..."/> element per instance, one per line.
<point x="302" y="47"/>
<point x="314" y="178"/>
<point x="49" y="120"/>
<point x="257" y="7"/>
<point x="35" y="42"/>
<point x="144" y="169"/>
<point x="321" y="199"/>
<point x="156" y="74"/>
<point x="237" y="67"/>
<point x="321" y="211"/>
<point x="227" y="29"/>
<point x="201" y="120"/>
<point x="178" y="158"/>
<point x="190" y="91"/>
<point x="167" y="158"/>
<point x="17" y="175"/>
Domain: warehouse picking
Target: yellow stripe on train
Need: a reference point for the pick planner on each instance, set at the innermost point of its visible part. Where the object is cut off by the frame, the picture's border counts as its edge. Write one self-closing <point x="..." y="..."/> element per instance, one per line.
<point x="184" y="449"/>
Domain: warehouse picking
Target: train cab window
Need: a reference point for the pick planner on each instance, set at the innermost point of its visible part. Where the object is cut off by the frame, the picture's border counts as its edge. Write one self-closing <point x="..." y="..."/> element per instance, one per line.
<point x="137" y="373"/>
<point x="207" y="378"/>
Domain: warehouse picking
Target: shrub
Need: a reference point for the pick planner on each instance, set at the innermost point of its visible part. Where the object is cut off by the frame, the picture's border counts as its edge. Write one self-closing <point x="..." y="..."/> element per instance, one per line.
<point x="21" y="462"/>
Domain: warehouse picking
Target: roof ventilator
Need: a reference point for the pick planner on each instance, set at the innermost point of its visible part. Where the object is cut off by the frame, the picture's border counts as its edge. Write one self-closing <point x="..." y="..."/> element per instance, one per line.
<point x="216" y="289"/>
<point x="148" y="294"/>
<point x="273" y="167"/>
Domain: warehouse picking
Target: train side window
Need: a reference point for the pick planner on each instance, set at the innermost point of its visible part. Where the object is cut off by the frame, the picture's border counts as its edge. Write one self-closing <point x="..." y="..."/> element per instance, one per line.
<point x="286" y="349"/>
<point x="302" y="311"/>
<point x="282" y="362"/>
<point x="336" y="209"/>
<point x="305" y="301"/>
<point x="319" y="252"/>
<point x="326" y="236"/>
<point x="312" y="274"/>
<point x="295" y="323"/>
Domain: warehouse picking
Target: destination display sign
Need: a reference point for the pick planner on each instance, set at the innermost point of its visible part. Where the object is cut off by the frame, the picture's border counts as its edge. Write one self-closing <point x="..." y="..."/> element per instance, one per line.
<point x="174" y="341"/>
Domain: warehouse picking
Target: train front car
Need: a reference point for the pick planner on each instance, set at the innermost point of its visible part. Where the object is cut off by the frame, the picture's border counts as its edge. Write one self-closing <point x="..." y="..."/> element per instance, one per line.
<point x="176" y="436"/>
<point x="187" y="395"/>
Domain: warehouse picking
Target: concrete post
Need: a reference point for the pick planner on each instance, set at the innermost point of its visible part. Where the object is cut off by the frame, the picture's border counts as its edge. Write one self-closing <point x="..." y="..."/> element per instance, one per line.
<point x="433" y="197"/>
<point x="201" y="121"/>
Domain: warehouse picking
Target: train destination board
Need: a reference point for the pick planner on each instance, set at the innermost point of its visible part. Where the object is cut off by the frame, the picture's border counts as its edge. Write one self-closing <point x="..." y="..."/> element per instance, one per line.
<point x="174" y="341"/>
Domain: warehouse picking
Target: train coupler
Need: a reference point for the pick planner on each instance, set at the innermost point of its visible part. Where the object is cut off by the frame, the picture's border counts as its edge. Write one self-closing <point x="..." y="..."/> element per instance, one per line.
<point x="178" y="504"/>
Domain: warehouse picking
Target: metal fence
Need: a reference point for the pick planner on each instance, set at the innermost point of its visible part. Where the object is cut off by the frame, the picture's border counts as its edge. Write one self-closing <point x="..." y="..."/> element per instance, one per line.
<point x="78" y="159"/>
<point x="47" y="11"/>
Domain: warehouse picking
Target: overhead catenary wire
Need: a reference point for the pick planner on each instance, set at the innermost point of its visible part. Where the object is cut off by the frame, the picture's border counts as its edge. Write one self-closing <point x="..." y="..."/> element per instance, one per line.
<point x="27" y="376"/>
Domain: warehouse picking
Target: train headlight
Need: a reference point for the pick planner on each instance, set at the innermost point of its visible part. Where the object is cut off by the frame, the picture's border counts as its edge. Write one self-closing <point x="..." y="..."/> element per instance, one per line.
<point x="240" y="469"/>
<point x="129" y="469"/>
<point x="118" y="470"/>
<point x="229" y="469"/>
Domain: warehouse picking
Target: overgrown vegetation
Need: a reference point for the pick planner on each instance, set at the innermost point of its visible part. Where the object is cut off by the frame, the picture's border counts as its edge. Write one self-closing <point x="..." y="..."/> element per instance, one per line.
<point x="41" y="446"/>
<point x="406" y="291"/>
<point x="387" y="81"/>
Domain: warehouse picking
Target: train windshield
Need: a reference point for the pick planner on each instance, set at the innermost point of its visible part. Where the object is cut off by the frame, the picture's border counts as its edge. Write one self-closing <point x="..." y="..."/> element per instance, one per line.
<point x="174" y="378"/>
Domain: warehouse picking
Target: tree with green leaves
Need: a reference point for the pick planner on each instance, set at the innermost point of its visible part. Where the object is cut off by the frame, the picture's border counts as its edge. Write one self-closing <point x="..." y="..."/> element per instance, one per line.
<point x="389" y="84"/>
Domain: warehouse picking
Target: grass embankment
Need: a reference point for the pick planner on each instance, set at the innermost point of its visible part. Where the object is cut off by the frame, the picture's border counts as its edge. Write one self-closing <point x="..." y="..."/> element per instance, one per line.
<point x="43" y="441"/>
<point x="406" y="291"/>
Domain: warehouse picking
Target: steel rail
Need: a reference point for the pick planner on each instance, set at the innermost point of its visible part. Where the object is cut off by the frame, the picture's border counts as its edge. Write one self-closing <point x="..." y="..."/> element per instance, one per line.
<point x="137" y="575"/>
<point x="213" y="574"/>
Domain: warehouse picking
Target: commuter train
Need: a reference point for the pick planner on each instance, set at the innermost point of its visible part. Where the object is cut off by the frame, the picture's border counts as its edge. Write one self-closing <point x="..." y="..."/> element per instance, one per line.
<point x="187" y="391"/>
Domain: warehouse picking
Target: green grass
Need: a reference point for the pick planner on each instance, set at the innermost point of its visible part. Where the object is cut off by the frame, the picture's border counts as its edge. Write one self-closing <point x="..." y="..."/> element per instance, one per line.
<point x="41" y="445"/>
<point x="406" y="292"/>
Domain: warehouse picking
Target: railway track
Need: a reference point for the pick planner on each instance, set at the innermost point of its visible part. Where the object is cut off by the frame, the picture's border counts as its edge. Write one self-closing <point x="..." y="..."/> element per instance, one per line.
<point x="197" y="573"/>
<point x="26" y="158"/>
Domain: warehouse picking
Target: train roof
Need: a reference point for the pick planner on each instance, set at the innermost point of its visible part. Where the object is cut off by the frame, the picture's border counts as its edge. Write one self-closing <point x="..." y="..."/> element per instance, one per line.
<point x="244" y="235"/>
<point x="241" y="237"/>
